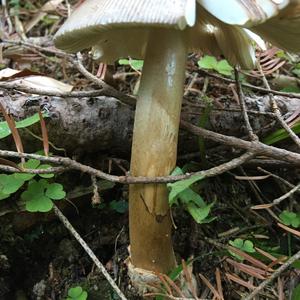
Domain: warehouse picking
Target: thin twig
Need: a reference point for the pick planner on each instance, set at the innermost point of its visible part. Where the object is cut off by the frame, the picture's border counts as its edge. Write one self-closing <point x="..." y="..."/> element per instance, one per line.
<point x="276" y="110"/>
<point x="109" y="90"/>
<point x="253" y="146"/>
<point x="72" y="164"/>
<point x="286" y="195"/>
<point x="53" y="170"/>
<point x="247" y="85"/>
<point x="290" y="185"/>
<point x="89" y="251"/>
<point x="171" y="297"/>
<point x="277" y="273"/>
<point x="242" y="102"/>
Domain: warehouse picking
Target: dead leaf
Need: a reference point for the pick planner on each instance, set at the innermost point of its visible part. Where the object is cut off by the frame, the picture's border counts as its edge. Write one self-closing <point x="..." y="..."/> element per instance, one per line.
<point x="251" y="259"/>
<point x="28" y="79"/>
<point x="252" y="177"/>
<point x="210" y="286"/>
<point x="250" y="270"/>
<point x="240" y="281"/>
<point x="14" y="131"/>
<point x="8" y="74"/>
<point x="44" y="134"/>
<point x="219" y="284"/>
<point x="288" y="229"/>
<point x="262" y="206"/>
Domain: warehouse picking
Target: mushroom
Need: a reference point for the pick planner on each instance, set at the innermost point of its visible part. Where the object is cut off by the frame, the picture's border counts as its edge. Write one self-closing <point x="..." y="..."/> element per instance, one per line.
<point x="162" y="33"/>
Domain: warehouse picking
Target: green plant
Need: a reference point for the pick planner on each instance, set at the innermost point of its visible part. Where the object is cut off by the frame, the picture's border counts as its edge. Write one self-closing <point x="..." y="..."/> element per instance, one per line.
<point x="77" y="293"/>
<point x="9" y="184"/>
<point x="16" y="5"/>
<point x="181" y="194"/>
<point x="296" y="293"/>
<point x="164" y="48"/>
<point x="135" y="64"/>
<point x="39" y="195"/>
<point x="291" y="89"/>
<point x="243" y="245"/>
<point x="211" y="63"/>
<point x="290" y="218"/>
<point x="296" y="70"/>
<point x="5" y="131"/>
<point x="119" y="206"/>
<point x="280" y="135"/>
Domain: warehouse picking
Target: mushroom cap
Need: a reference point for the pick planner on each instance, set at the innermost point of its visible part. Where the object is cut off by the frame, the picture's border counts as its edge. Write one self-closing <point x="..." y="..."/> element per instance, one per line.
<point x="120" y="28"/>
<point x="244" y="12"/>
<point x="94" y="18"/>
<point x="277" y="21"/>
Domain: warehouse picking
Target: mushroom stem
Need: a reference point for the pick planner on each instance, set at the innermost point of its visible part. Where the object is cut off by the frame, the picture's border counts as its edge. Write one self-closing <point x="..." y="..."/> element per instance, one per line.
<point x="154" y="149"/>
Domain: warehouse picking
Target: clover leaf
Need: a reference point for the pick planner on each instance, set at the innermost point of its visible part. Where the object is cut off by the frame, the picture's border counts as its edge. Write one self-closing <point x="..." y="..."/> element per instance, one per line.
<point x="211" y="63"/>
<point x="243" y="245"/>
<point x="290" y="218"/>
<point x="9" y="184"/>
<point x="30" y="164"/>
<point x="77" y="293"/>
<point x="44" y="167"/>
<point x="39" y="203"/>
<point x="3" y="196"/>
<point x="39" y="195"/>
<point x="208" y="62"/>
<point x="55" y="191"/>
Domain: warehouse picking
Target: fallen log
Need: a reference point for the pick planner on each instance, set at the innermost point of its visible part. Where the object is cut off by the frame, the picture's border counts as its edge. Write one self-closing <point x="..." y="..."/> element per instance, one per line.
<point x="104" y="124"/>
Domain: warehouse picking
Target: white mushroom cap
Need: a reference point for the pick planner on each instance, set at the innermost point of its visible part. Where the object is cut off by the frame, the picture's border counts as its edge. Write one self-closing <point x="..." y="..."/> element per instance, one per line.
<point x="277" y="21"/>
<point x="244" y="12"/>
<point x="120" y="28"/>
<point x="94" y="18"/>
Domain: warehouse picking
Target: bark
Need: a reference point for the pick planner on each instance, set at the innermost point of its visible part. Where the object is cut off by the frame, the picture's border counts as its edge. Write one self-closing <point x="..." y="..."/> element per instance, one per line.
<point x="108" y="128"/>
<point x="86" y="125"/>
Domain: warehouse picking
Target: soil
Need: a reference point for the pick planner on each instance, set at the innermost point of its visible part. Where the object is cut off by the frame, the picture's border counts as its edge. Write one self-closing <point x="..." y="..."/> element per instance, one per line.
<point x="44" y="261"/>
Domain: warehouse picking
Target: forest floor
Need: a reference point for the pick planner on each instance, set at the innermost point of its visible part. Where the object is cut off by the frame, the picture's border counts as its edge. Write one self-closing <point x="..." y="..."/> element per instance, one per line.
<point x="243" y="242"/>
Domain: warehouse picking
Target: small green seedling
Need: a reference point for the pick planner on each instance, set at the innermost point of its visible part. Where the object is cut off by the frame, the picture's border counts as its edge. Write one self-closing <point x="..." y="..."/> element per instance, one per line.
<point x="290" y="218"/>
<point x="243" y="245"/>
<point x="77" y="293"/>
<point x="210" y="63"/>
<point x="181" y="193"/>
<point x="135" y="64"/>
<point x="119" y="206"/>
